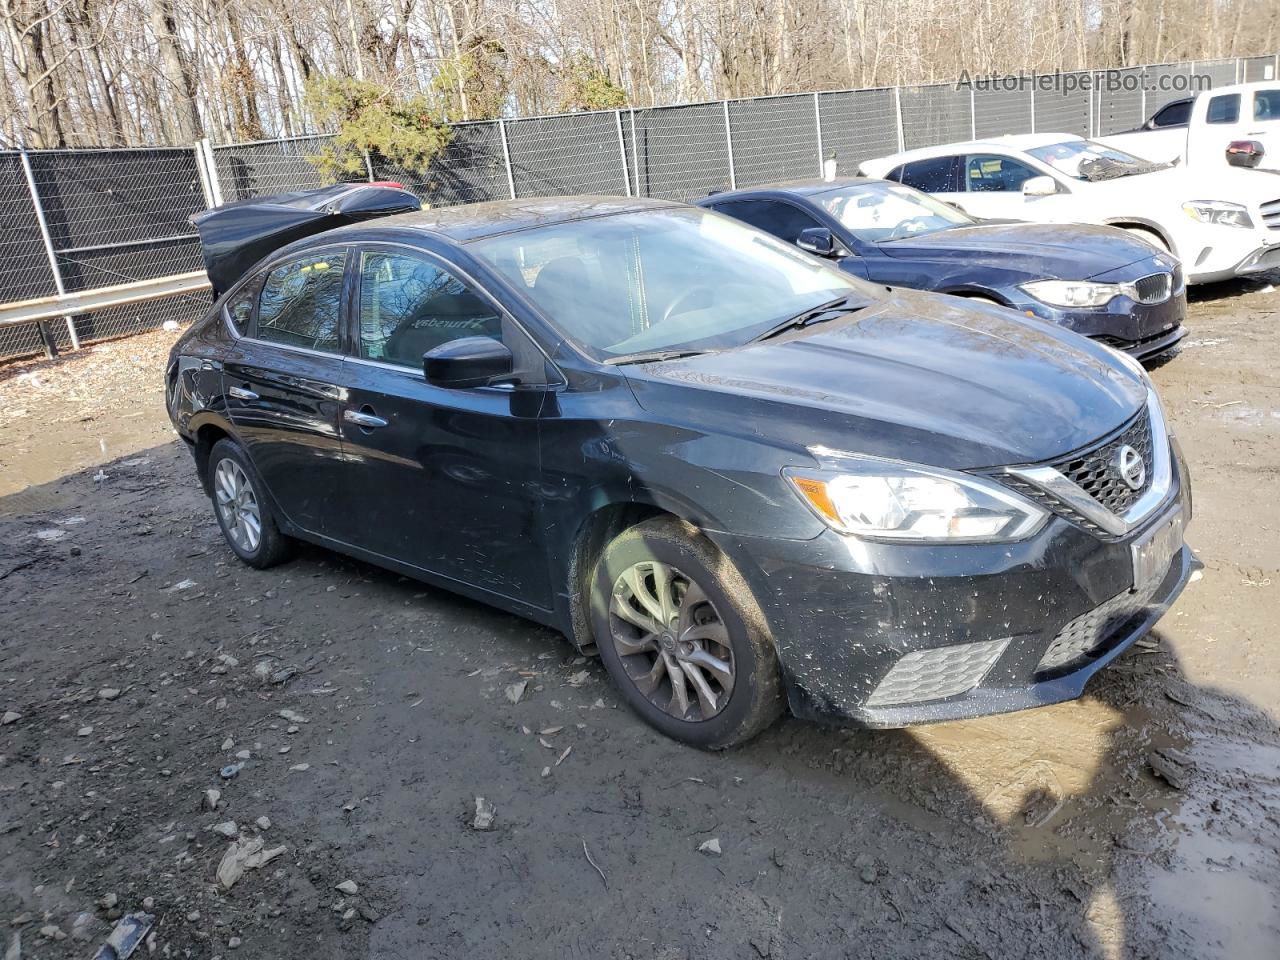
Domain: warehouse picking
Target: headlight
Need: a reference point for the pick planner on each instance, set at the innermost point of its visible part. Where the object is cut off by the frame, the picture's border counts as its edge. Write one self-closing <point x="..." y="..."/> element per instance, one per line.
<point x="1072" y="293"/>
<point x="887" y="500"/>
<point x="1219" y="212"/>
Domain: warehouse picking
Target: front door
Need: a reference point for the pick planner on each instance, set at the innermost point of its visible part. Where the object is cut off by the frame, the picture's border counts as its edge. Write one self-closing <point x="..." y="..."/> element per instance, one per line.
<point x="993" y="187"/>
<point x="444" y="480"/>
<point x="282" y="385"/>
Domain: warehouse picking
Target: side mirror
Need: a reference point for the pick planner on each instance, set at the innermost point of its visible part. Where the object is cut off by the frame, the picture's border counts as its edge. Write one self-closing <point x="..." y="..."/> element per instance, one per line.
<point x="817" y="240"/>
<point x="1039" y="187"/>
<point x="468" y="362"/>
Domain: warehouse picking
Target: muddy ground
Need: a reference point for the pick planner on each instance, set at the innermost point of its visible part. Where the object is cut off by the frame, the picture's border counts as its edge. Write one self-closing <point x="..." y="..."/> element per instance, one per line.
<point x="1042" y="834"/>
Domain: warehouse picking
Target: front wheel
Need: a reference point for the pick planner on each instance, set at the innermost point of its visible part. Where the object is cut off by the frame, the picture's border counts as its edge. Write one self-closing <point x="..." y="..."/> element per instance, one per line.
<point x="1150" y="236"/>
<point x="682" y="637"/>
<point x="243" y="512"/>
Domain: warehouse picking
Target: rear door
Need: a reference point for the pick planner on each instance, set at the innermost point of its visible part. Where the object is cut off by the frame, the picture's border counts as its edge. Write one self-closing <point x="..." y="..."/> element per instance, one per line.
<point x="445" y="480"/>
<point x="938" y="176"/>
<point x="282" y="383"/>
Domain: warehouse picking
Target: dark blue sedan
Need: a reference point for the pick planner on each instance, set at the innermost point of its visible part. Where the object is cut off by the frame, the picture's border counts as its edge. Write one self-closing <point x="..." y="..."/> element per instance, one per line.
<point x="1098" y="281"/>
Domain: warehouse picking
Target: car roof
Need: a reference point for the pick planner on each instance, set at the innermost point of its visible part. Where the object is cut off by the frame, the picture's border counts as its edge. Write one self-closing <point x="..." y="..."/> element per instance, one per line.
<point x="474" y="221"/>
<point x="801" y="188"/>
<point x="1017" y="141"/>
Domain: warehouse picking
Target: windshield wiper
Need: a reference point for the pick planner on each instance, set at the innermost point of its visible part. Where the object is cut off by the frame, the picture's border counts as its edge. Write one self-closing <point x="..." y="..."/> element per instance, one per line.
<point x="818" y="314"/>
<point x="654" y="356"/>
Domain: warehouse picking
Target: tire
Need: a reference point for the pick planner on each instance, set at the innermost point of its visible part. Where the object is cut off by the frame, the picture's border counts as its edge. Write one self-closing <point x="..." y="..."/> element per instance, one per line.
<point x="236" y="492"/>
<point x="711" y="617"/>
<point x="1150" y="236"/>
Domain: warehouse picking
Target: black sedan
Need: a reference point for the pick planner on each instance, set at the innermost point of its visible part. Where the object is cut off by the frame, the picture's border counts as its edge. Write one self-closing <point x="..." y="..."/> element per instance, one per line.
<point x="748" y="479"/>
<point x="1098" y="281"/>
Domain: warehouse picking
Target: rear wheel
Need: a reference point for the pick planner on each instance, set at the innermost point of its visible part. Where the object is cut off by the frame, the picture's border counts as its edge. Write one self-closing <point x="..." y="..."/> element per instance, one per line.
<point x="682" y="637"/>
<point x="243" y="512"/>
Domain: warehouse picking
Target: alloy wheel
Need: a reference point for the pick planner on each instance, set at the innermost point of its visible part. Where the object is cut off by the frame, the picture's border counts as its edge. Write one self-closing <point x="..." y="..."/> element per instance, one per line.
<point x="671" y="641"/>
<point x="237" y="505"/>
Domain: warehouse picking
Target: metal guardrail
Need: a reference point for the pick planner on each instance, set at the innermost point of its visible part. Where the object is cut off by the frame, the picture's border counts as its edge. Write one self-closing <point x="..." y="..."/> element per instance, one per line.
<point x="76" y="222"/>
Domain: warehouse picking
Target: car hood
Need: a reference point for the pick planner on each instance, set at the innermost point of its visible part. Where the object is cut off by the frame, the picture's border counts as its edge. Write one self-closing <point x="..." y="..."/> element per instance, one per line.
<point x="920" y="377"/>
<point x="1069" y="251"/>
<point x="1174" y="185"/>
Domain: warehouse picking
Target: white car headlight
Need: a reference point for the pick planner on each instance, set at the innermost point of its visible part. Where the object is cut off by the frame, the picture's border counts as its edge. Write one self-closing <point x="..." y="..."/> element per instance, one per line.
<point x="1219" y="212"/>
<point x="1072" y="293"/>
<point x="886" y="500"/>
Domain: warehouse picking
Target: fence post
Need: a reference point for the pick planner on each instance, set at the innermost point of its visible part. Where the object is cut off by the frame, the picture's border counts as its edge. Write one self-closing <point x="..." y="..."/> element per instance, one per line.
<point x="728" y="142"/>
<point x="211" y="173"/>
<point x="817" y="122"/>
<point x="635" y="154"/>
<point x="1032" y="93"/>
<point x="973" y="114"/>
<point x="368" y="165"/>
<point x="622" y="151"/>
<point x="49" y="346"/>
<point x="897" y="111"/>
<point x="506" y="157"/>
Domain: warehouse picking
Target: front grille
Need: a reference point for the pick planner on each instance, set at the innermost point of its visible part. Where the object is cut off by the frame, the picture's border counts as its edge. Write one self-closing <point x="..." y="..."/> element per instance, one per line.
<point x="1095" y="472"/>
<point x="1156" y="288"/>
<point x="933" y="674"/>
<point x="1090" y="633"/>
<point x="1271" y="215"/>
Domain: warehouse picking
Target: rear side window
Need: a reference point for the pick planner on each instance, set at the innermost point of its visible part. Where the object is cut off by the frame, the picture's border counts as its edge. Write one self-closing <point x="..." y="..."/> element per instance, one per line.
<point x="935" y="175"/>
<point x="1224" y="109"/>
<point x="301" y="302"/>
<point x="1266" y="105"/>
<point x="240" y="309"/>
<point x="1174" y="115"/>
<point x="772" y="216"/>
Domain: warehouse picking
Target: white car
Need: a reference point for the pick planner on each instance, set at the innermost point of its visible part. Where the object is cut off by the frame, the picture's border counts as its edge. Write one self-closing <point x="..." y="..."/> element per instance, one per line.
<point x="1248" y="112"/>
<point x="1220" y="226"/>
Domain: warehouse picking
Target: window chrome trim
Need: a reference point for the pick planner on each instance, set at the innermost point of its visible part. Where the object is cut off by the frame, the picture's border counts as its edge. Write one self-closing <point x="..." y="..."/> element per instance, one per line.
<point x="1056" y="484"/>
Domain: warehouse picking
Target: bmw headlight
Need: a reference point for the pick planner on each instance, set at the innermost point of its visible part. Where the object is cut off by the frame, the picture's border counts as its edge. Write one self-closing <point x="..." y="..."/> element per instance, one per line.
<point x="1219" y="212"/>
<point x="886" y="500"/>
<point x="1072" y="293"/>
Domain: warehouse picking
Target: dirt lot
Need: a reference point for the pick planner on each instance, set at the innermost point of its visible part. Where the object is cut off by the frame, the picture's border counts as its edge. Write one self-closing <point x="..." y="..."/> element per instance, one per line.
<point x="363" y="714"/>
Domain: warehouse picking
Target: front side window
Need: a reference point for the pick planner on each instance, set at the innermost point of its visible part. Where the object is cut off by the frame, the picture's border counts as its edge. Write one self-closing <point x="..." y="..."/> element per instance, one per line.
<point x="1174" y="115"/>
<point x="1266" y="105"/>
<point x="772" y="216"/>
<point x="1224" y="109"/>
<point x="881" y="212"/>
<point x="301" y="302"/>
<point x="666" y="279"/>
<point x="994" y="174"/>
<point x="411" y="304"/>
<point x="935" y="175"/>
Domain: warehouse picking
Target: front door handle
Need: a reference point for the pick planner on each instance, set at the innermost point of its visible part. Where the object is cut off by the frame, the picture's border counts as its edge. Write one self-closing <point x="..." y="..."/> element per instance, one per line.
<point x="366" y="421"/>
<point x="242" y="393"/>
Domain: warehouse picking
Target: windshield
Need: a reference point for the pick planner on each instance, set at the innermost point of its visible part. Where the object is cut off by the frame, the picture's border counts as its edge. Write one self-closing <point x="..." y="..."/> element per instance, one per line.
<point x="671" y="279"/>
<point x="880" y="212"/>
<point x="1086" y="160"/>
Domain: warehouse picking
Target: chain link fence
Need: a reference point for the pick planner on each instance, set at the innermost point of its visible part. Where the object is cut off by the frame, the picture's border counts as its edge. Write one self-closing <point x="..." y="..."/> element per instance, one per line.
<point x="113" y="216"/>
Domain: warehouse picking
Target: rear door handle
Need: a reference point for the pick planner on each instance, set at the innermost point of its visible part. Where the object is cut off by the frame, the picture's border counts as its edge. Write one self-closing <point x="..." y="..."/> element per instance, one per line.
<point x="368" y="421"/>
<point x="242" y="393"/>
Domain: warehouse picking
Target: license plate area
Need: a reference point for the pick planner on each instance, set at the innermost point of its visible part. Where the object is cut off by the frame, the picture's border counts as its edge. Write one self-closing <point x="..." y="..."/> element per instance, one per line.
<point x="1154" y="550"/>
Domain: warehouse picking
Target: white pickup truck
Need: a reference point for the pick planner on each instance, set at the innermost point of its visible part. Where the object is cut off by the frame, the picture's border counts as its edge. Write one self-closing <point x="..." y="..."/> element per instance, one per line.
<point x="1237" y="125"/>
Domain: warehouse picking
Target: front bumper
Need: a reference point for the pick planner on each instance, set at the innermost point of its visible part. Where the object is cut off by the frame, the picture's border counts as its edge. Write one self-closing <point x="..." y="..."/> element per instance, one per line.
<point x="1141" y="330"/>
<point x="1232" y="253"/>
<point x="844" y="612"/>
